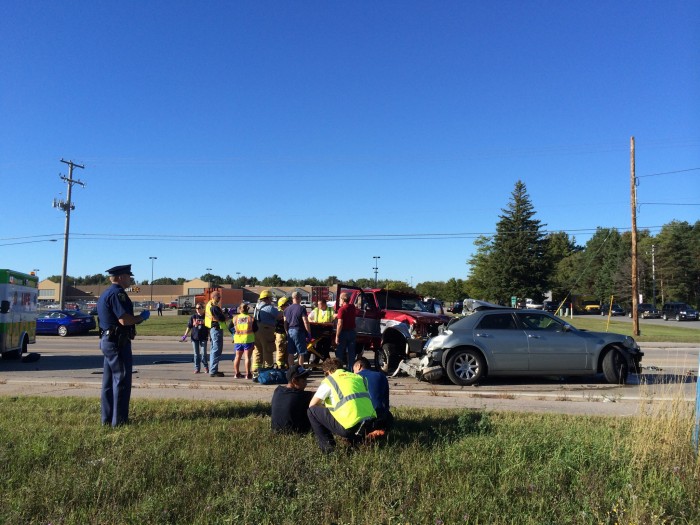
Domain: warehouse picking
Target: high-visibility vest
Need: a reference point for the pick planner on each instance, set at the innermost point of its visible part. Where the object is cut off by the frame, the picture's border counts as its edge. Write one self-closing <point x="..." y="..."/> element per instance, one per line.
<point x="349" y="402"/>
<point x="243" y="323"/>
<point x="207" y="315"/>
<point x="323" y="317"/>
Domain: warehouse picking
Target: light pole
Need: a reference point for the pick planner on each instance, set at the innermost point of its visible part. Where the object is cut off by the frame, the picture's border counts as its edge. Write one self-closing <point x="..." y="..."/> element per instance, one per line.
<point x="211" y="283"/>
<point x="152" y="261"/>
<point x="238" y="277"/>
<point x="376" y="268"/>
<point x="35" y="271"/>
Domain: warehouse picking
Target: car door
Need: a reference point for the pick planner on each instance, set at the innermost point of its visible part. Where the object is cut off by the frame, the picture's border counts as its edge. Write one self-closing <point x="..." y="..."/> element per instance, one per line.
<point x="503" y="342"/>
<point x="551" y="346"/>
<point x="368" y="321"/>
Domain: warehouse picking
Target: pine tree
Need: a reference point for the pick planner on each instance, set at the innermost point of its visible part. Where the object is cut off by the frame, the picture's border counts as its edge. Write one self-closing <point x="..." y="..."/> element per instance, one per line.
<point x="518" y="261"/>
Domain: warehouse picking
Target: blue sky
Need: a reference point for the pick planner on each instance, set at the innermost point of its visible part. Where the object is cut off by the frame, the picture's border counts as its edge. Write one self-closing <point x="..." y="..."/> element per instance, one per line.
<point x="304" y="138"/>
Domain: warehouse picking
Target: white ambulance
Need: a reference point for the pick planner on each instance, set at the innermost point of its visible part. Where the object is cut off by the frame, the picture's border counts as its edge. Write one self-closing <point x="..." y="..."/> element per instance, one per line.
<point x="18" y="310"/>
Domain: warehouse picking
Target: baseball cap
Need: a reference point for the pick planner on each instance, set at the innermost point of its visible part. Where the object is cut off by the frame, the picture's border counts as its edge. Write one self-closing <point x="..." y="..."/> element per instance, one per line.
<point x="296" y="372"/>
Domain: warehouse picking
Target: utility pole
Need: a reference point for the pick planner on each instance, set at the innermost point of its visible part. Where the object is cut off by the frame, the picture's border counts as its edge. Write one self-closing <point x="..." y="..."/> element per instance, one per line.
<point x="66" y="206"/>
<point x="653" y="276"/>
<point x="376" y="268"/>
<point x="633" y="203"/>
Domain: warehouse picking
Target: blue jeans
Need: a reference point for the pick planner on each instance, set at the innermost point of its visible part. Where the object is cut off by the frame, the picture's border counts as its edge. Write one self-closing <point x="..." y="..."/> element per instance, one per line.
<point x="346" y="343"/>
<point x="200" y="354"/>
<point x="296" y="344"/>
<point x="217" y="343"/>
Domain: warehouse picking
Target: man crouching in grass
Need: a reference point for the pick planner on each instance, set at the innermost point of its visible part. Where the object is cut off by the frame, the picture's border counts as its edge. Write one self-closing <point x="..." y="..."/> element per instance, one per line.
<point x="340" y="406"/>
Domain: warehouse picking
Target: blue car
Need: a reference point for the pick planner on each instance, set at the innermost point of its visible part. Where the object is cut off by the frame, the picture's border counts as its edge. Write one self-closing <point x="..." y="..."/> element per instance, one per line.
<point x="64" y="322"/>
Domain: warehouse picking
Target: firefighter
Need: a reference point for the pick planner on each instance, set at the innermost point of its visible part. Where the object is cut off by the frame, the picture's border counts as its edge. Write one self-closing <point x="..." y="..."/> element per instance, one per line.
<point x="281" y="335"/>
<point x="266" y="316"/>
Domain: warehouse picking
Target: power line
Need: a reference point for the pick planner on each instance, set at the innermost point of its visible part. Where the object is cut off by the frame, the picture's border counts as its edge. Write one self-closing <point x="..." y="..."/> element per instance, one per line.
<point x="666" y="173"/>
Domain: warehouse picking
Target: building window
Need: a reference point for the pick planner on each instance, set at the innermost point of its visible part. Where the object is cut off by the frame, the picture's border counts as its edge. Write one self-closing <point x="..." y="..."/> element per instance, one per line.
<point x="47" y="293"/>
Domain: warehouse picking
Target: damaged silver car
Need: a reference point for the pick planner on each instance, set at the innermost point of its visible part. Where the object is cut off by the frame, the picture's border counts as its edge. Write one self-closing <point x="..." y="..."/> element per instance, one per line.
<point x="499" y="341"/>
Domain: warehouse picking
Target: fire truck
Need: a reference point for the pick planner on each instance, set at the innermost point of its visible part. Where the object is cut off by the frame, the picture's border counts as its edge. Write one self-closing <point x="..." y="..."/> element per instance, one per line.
<point x="18" y="311"/>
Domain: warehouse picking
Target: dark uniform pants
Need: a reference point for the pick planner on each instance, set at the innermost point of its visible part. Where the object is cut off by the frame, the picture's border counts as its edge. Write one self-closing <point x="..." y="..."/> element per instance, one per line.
<point x="116" y="382"/>
<point x="325" y="425"/>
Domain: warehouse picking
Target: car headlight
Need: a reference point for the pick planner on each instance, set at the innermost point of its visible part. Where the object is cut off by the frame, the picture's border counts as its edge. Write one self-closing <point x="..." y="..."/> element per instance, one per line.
<point x="630" y="343"/>
<point x="436" y="342"/>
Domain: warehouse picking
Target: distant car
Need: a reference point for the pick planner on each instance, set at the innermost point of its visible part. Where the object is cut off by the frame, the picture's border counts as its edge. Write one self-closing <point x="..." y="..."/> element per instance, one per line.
<point x="456" y="308"/>
<point x="679" y="312"/>
<point x="172" y="305"/>
<point x="550" y="306"/>
<point x="615" y="309"/>
<point x="498" y="341"/>
<point x="647" y="311"/>
<point x="64" y="322"/>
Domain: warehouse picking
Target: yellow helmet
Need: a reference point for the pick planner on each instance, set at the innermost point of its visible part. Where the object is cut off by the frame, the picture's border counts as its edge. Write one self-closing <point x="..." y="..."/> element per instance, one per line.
<point x="282" y="301"/>
<point x="265" y="294"/>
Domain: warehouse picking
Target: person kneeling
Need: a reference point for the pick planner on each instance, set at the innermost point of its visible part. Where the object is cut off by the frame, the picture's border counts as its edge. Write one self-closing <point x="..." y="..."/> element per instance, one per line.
<point x="290" y="403"/>
<point x="341" y="406"/>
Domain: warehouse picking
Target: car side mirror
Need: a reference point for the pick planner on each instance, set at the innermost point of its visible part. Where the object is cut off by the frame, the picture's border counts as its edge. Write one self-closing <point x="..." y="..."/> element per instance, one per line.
<point x="4" y="307"/>
<point x="567" y="327"/>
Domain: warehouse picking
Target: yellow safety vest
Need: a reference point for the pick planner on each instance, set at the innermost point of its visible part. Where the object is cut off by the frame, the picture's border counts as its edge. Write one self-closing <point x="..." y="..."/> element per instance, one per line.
<point x="207" y="315"/>
<point x="323" y="317"/>
<point x="243" y="323"/>
<point x="349" y="401"/>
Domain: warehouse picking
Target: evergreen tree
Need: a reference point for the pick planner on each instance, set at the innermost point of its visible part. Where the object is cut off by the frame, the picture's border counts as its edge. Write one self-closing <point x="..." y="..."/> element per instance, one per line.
<point x="518" y="261"/>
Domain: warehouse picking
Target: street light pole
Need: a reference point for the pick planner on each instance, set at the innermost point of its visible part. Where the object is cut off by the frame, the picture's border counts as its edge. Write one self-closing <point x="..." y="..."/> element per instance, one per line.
<point x="376" y="268"/>
<point x="211" y="283"/>
<point x="152" y="261"/>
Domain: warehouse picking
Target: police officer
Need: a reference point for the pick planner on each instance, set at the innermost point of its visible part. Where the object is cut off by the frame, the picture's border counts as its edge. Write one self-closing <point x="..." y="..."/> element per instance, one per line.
<point x="115" y="312"/>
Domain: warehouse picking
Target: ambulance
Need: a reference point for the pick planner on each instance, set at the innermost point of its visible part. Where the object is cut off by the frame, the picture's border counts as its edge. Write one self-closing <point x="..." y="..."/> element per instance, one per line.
<point x="18" y="311"/>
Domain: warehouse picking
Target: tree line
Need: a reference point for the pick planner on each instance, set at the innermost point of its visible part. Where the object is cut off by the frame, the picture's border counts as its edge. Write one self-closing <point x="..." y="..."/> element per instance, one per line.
<point x="521" y="259"/>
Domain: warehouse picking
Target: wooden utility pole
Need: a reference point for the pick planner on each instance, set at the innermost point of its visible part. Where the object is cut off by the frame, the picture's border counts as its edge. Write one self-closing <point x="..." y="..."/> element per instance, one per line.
<point x="66" y="206"/>
<point x="633" y="191"/>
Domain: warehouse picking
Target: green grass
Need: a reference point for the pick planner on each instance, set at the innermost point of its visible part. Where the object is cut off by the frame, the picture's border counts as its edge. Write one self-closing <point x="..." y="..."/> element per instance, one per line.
<point x="218" y="462"/>
<point x="671" y="332"/>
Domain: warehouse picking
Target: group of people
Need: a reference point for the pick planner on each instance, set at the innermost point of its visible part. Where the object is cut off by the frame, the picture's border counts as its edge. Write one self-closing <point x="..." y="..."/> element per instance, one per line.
<point x="347" y="404"/>
<point x="271" y="336"/>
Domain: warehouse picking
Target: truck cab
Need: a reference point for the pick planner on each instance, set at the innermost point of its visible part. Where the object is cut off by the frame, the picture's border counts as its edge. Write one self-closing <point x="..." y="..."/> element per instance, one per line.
<point x="393" y="324"/>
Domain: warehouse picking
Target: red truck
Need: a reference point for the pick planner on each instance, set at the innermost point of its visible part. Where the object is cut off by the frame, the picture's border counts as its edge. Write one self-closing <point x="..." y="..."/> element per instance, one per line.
<point x="230" y="297"/>
<point x="394" y="324"/>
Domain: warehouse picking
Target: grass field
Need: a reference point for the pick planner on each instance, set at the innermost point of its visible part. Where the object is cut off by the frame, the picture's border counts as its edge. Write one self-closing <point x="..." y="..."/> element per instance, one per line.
<point x="668" y="332"/>
<point x="218" y="462"/>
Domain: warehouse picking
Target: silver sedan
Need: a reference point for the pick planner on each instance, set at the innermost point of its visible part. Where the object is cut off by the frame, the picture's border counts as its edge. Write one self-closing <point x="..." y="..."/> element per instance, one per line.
<point x="505" y="341"/>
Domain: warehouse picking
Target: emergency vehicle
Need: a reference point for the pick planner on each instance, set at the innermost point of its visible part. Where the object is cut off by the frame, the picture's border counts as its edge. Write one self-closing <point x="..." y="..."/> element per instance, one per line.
<point x="18" y="311"/>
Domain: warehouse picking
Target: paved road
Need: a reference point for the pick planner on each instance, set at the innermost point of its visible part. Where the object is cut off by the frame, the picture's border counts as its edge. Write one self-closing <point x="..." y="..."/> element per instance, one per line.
<point x="72" y="366"/>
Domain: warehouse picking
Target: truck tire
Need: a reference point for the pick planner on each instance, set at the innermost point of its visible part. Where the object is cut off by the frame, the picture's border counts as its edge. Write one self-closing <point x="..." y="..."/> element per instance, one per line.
<point x="387" y="359"/>
<point x="465" y="367"/>
<point x="615" y="368"/>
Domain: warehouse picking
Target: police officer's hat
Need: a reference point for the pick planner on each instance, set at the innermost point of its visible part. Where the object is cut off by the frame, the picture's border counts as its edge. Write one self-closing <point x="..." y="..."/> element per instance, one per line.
<point x="120" y="270"/>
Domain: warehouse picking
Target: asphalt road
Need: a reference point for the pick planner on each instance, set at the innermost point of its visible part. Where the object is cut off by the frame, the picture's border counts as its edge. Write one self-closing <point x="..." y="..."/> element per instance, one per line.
<point x="72" y="366"/>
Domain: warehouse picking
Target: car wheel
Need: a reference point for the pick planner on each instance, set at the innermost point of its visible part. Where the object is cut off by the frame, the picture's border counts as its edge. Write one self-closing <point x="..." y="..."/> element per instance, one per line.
<point x="62" y="331"/>
<point x="387" y="358"/>
<point x="665" y="317"/>
<point x="615" y="368"/>
<point x="465" y="367"/>
<point x="678" y="317"/>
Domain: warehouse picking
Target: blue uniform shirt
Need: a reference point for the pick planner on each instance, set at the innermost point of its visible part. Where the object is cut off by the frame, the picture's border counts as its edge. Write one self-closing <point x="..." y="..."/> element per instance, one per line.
<point x="111" y="305"/>
<point x="378" y="386"/>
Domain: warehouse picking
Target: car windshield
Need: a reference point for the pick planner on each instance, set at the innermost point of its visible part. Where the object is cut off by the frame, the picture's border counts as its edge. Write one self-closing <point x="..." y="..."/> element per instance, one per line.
<point x="397" y="301"/>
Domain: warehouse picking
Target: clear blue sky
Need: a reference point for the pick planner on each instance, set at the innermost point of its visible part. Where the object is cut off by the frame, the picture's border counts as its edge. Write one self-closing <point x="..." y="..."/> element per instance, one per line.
<point x="347" y="129"/>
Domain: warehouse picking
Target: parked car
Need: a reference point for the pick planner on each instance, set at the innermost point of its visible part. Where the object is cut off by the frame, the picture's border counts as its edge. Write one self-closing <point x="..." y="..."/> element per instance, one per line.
<point x="550" y="306"/>
<point x="506" y="341"/>
<point x="173" y="305"/>
<point x="647" y="311"/>
<point x="615" y="309"/>
<point x="679" y="312"/>
<point x="64" y="322"/>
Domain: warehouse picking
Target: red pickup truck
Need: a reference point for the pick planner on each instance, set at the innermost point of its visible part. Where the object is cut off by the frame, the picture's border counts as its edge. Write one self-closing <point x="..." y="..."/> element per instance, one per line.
<point x="394" y="324"/>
